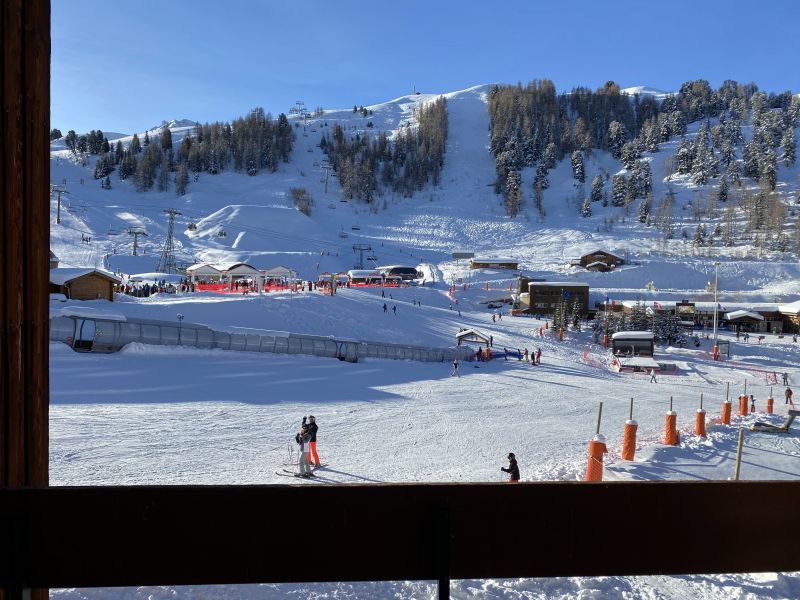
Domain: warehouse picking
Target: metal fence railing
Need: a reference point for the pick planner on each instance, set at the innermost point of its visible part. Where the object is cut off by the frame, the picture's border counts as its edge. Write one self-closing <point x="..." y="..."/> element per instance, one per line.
<point x="98" y="334"/>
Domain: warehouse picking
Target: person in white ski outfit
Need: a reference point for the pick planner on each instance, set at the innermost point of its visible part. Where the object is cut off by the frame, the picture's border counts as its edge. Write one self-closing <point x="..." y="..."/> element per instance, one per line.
<point x="455" y="369"/>
<point x="303" y="438"/>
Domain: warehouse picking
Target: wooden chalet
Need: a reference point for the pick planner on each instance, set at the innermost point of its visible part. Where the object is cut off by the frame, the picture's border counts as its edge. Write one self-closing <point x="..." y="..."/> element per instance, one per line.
<point x="600" y="260"/>
<point x="83" y="284"/>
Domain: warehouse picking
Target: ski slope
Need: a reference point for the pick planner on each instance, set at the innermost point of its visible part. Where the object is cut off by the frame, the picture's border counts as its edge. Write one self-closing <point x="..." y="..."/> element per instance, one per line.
<point x="158" y="415"/>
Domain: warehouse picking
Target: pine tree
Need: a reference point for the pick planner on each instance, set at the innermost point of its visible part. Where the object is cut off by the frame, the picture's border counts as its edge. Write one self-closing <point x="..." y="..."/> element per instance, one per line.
<point x="617" y="136"/>
<point x="71" y="140"/>
<point x="644" y="209"/>
<point x="597" y="189"/>
<point x="166" y="138"/>
<point x="577" y="167"/>
<point x="163" y="175"/>
<point x="135" y="146"/>
<point x="769" y="168"/>
<point x="146" y="141"/>
<point x="181" y="179"/>
<point x="586" y="209"/>
<point x="513" y="193"/>
<point x="789" y="147"/>
<point x="630" y="155"/>
<point x="722" y="195"/>
<point x="619" y="189"/>
<point x="55" y="134"/>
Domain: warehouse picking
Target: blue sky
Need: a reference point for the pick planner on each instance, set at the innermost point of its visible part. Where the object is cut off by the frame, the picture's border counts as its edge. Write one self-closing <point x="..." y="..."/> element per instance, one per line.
<point x="127" y="66"/>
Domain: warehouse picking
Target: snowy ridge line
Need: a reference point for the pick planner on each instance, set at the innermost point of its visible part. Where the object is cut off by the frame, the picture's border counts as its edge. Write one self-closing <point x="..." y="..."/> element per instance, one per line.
<point x="108" y="335"/>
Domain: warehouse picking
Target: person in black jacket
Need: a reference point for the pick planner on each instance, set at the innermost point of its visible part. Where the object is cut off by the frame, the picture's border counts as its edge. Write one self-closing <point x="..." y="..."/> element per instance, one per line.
<point x="312" y="453"/>
<point x="513" y="469"/>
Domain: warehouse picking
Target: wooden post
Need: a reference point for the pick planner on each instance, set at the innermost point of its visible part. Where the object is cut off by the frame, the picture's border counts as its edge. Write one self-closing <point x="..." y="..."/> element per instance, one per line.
<point x="727" y="391"/>
<point x="739" y="454"/>
<point x="24" y="249"/>
<point x="599" y="417"/>
<point x="630" y="411"/>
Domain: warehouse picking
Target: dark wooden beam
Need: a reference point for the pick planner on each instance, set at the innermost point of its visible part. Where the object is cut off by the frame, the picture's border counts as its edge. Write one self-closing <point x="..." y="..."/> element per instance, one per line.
<point x="24" y="248"/>
<point x="115" y="536"/>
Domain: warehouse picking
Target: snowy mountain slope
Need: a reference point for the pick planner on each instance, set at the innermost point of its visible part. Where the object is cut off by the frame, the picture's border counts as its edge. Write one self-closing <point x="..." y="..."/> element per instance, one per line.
<point x="260" y="224"/>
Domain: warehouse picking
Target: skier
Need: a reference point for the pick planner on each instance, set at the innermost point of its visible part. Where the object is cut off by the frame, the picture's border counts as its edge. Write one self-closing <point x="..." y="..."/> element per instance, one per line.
<point x="505" y="354"/>
<point x="455" y="369"/>
<point x="479" y="355"/>
<point x="512" y="470"/>
<point x="785" y="379"/>
<point x="526" y="355"/>
<point x="538" y="356"/>
<point x="385" y="308"/>
<point x="394" y="310"/>
<point x="653" y="376"/>
<point x="303" y="438"/>
<point x="312" y="445"/>
<point x="752" y="404"/>
<point x="493" y="317"/>
<point x="788" y="395"/>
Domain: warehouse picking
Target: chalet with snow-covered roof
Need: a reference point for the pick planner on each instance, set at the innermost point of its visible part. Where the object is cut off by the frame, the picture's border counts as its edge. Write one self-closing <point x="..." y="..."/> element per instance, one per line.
<point x="510" y="264"/>
<point x="53" y="260"/>
<point x="83" y="284"/>
<point x="473" y="335"/>
<point x="204" y="272"/>
<point x="600" y="260"/>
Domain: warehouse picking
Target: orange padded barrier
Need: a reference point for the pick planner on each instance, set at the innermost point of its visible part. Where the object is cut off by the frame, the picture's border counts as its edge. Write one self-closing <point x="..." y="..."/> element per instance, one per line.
<point x="629" y="440"/>
<point x="744" y="400"/>
<point x="770" y="404"/>
<point x="671" y="429"/>
<point x="700" y="423"/>
<point x="597" y="447"/>
<point x="726" y="412"/>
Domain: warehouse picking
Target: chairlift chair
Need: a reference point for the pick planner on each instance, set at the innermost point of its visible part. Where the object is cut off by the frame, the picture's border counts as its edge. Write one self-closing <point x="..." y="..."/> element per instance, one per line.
<point x="192" y="226"/>
<point x="343" y="234"/>
<point x="332" y="206"/>
<point x="221" y="233"/>
<point x="356" y="228"/>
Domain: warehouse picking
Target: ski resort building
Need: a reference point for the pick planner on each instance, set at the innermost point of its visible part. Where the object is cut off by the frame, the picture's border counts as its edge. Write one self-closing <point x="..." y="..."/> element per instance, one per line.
<point x="510" y="264"/>
<point x="544" y="296"/>
<point x="405" y="272"/>
<point x="83" y="284"/>
<point x="364" y="277"/>
<point x="599" y="260"/>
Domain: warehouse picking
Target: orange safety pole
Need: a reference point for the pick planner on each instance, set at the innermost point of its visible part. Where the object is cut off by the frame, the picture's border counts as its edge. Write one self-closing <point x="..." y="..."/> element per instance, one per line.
<point x="605" y="341"/>
<point x="597" y="447"/>
<point x="671" y="429"/>
<point x="770" y="402"/>
<point x="700" y="423"/>
<point x="671" y="426"/>
<point x="629" y="436"/>
<point x="726" y="412"/>
<point x="743" y="400"/>
<point x="561" y="334"/>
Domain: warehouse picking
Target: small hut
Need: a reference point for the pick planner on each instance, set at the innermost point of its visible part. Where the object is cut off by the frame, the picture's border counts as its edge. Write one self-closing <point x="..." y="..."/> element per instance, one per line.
<point x="83" y="284"/>
<point x="473" y="335"/>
